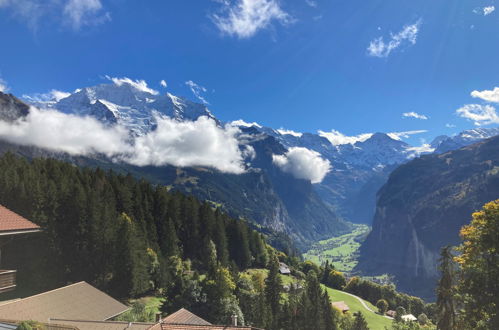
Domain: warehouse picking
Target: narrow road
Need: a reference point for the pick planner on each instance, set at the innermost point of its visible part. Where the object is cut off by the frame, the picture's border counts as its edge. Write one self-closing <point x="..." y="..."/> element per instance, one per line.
<point x="364" y="304"/>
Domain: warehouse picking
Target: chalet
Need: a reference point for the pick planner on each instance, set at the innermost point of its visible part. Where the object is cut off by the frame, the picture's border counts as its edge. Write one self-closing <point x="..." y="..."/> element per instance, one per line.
<point x="11" y="226"/>
<point x="284" y="269"/>
<point x="341" y="306"/>
<point x="391" y="313"/>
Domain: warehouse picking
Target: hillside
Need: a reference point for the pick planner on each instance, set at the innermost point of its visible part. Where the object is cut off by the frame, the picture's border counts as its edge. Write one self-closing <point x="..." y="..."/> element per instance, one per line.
<point x="422" y="208"/>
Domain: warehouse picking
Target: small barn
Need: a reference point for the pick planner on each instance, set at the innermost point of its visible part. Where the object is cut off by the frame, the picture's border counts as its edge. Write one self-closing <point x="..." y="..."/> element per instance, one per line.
<point x="284" y="269"/>
<point x="341" y="306"/>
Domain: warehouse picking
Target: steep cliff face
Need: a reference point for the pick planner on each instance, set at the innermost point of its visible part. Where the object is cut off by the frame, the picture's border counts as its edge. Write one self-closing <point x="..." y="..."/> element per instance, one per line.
<point x="422" y="208"/>
<point x="12" y="108"/>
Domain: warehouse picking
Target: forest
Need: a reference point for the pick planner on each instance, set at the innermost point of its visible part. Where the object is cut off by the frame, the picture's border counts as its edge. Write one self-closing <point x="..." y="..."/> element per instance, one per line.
<point x="131" y="238"/>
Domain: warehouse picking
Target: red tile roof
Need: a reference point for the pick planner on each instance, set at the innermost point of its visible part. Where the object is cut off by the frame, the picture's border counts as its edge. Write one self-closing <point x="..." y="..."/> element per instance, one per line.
<point x="13" y="222"/>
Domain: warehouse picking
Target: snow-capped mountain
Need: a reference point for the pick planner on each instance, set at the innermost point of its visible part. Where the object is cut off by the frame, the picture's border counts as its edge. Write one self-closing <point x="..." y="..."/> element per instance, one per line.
<point x="445" y="143"/>
<point x="128" y="104"/>
<point x="359" y="165"/>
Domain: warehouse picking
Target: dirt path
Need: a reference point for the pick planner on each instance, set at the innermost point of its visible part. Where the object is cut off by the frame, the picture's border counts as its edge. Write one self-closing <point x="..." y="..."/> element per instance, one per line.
<point x="364" y="304"/>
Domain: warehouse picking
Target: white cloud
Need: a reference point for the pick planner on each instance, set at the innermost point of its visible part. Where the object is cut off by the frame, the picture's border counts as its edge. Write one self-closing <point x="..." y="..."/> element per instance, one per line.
<point x="245" y="18"/>
<point x="163" y="83"/>
<point x="79" y="13"/>
<point x="413" y="114"/>
<point x="337" y="138"/>
<point x="140" y="85"/>
<point x="242" y="123"/>
<point x="488" y="10"/>
<point x="379" y="48"/>
<point x="68" y="133"/>
<point x="450" y="125"/>
<point x="283" y="131"/>
<point x="187" y="143"/>
<point x="303" y="163"/>
<point x="486" y="95"/>
<point x="4" y="88"/>
<point x="407" y="134"/>
<point x="190" y="143"/>
<point x="311" y="3"/>
<point x="425" y="148"/>
<point x="197" y="90"/>
<point x="479" y="114"/>
<point x="75" y="13"/>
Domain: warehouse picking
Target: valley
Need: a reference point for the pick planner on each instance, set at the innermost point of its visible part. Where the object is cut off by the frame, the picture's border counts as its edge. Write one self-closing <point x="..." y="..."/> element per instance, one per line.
<point x="341" y="251"/>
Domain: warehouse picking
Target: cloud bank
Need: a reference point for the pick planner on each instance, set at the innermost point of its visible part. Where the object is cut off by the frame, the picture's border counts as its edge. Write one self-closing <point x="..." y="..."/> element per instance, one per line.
<point x="190" y="143"/>
<point x="187" y="143"/>
<point x="408" y="35"/>
<point x="57" y="131"/>
<point x="245" y="18"/>
<point x="303" y="163"/>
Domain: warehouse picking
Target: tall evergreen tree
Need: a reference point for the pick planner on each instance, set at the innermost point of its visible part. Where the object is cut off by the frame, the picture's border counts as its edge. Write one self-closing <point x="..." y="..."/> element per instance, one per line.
<point x="445" y="291"/>
<point x="273" y="290"/>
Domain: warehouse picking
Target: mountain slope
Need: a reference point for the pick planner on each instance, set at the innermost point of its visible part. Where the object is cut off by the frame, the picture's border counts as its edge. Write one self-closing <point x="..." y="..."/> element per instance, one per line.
<point x="264" y="194"/>
<point x="422" y="208"/>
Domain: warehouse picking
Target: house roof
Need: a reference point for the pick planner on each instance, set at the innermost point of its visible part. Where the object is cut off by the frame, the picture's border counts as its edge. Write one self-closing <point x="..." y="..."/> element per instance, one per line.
<point x="183" y="316"/>
<point x="165" y="326"/>
<point x="13" y="223"/>
<point x="79" y="301"/>
<point x="103" y="325"/>
<point x="341" y="306"/>
<point x="283" y="268"/>
<point x="409" y="317"/>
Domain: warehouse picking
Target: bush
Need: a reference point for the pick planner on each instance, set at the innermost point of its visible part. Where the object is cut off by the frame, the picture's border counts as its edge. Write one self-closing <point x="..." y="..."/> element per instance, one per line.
<point x="423" y="319"/>
<point x="382" y="306"/>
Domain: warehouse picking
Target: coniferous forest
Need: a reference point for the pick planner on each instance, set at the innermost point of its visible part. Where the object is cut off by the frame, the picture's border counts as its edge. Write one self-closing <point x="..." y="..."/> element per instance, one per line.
<point x="130" y="238"/>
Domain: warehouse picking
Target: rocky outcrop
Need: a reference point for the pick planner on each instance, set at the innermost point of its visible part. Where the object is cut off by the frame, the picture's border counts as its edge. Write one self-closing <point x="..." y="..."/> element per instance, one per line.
<point x="422" y="208"/>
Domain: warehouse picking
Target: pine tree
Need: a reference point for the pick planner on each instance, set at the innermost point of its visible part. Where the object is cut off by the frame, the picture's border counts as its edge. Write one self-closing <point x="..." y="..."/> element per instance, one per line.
<point x="359" y="322"/>
<point x="273" y="289"/>
<point x="445" y="292"/>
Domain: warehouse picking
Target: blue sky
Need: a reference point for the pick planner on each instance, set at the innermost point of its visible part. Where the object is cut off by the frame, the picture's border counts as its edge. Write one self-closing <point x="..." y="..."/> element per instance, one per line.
<point x="354" y="66"/>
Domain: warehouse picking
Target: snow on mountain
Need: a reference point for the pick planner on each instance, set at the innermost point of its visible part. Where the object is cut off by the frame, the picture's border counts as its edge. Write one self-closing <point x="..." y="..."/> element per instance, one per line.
<point x="126" y="102"/>
<point x="445" y="143"/>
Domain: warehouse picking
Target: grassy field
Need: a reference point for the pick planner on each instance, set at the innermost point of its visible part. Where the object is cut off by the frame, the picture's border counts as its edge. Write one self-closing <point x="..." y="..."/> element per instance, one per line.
<point x="375" y="321"/>
<point x="342" y="251"/>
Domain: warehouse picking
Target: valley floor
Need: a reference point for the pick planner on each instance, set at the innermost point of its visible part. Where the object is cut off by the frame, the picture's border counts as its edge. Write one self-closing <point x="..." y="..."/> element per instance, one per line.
<point x="342" y="251"/>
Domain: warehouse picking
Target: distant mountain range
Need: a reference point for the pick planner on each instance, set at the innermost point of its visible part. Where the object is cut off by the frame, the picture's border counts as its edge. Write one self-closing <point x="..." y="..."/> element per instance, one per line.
<point x="264" y="193"/>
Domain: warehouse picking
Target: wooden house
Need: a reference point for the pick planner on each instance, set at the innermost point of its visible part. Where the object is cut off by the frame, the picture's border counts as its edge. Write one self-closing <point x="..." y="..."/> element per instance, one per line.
<point x="11" y="226"/>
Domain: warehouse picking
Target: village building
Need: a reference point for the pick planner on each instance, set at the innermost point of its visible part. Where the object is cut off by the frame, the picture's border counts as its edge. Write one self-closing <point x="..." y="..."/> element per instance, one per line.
<point x="341" y="306"/>
<point x="284" y="269"/>
<point x="391" y="313"/>
<point x="12" y="225"/>
<point x="409" y="318"/>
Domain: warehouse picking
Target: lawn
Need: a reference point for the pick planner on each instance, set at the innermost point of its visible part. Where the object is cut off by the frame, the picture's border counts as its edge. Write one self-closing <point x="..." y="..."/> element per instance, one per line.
<point x="375" y="321"/>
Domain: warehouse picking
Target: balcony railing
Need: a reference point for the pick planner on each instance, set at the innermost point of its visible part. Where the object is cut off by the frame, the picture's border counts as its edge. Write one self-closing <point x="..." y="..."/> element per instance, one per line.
<point x="7" y="280"/>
